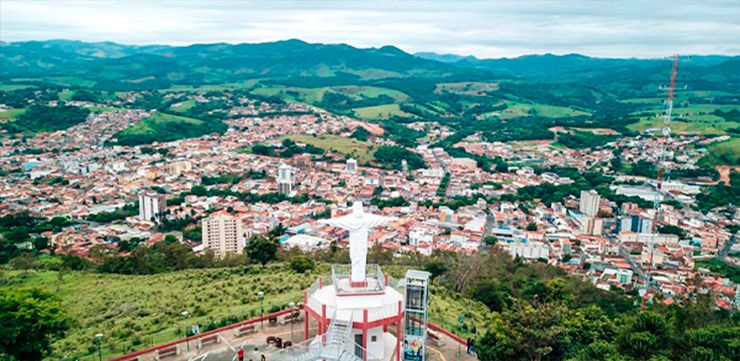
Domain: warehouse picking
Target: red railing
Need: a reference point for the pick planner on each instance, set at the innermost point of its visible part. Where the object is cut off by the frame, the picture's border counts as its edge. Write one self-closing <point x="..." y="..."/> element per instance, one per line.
<point x="133" y="355"/>
<point x="449" y="334"/>
<point x="200" y="335"/>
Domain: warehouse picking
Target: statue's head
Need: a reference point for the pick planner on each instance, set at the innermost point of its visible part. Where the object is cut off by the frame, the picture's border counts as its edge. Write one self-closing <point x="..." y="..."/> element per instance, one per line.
<point x="357" y="209"/>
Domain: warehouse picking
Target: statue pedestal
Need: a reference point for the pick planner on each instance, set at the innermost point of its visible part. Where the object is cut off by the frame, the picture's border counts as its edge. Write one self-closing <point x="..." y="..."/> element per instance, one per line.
<point x="358" y="284"/>
<point x="370" y="312"/>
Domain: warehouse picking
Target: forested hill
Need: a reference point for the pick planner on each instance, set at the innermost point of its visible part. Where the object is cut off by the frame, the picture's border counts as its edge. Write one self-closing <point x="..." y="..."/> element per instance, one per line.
<point x="549" y="66"/>
<point x="211" y="63"/>
<point x="157" y="66"/>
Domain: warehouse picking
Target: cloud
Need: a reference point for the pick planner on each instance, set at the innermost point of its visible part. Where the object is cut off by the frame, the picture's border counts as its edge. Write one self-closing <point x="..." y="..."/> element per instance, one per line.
<point x="482" y="28"/>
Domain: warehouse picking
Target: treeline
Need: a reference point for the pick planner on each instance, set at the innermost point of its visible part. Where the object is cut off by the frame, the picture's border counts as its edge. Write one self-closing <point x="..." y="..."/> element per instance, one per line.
<point x="720" y="195"/>
<point x="124" y="212"/>
<point x="42" y="118"/>
<point x="396" y="131"/>
<point x="22" y="228"/>
<point x="342" y="103"/>
<point x="393" y="157"/>
<point x="540" y="312"/>
<point x="582" y="140"/>
<point x="163" y="127"/>
<point x="289" y="148"/>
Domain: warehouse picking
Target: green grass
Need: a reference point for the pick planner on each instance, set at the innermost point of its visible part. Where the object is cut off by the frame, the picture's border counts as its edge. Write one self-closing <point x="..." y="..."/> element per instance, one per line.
<point x="381" y="112"/>
<point x="695" y="118"/>
<point x="183" y="106"/>
<point x="11" y="87"/>
<point x="720" y="268"/>
<point x="519" y="109"/>
<point x="370" y="92"/>
<point x="466" y="88"/>
<point x="134" y="312"/>
<point x="723" y="153"/>
<point x="66" y="94"/>
<point x="10" y="114"/>
<point x="70" y="81"/>
<point x="247" y="84"/>
<point x="163" y="127"/>
<point x="360" y="150"/>
<point x="147" y="309"/>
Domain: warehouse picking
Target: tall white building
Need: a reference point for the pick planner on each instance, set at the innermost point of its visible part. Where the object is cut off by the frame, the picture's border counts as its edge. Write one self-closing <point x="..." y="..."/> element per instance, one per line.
<point x="589" y="203"/>
<point x="351" y="166"/>
<point x="285" y="179"/>
<point x="222" y="233"/>
<point x="151" y="205"/>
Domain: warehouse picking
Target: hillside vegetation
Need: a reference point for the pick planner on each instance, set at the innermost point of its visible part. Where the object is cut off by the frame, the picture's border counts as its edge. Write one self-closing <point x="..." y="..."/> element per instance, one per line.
<point x="136" y="311"/>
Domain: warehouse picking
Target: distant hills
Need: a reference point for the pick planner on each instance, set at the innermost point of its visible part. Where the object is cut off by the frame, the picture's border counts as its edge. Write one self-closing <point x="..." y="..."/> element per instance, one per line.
<point x="552" y="66"/>
<point x="126" y="67"/>
<point x="211" y="63"/>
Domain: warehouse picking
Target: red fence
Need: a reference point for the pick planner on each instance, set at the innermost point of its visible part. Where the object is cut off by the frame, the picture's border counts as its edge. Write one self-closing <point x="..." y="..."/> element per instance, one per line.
<point x="133" y="355"/>
<point x="449" y="334"/>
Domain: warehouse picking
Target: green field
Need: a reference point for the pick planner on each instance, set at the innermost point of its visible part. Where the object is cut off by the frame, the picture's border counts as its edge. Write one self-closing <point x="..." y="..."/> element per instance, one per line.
<point x="359" y="150"/>
<point x="466" y="88"/>
<point x="723" y="153"/>
<point x="519" y="109"/>
<point x="134" y="312"/>
<point x="315" y="95"/>
<point x="163" y="127"/>
<point x="66" y="94"/>
<point x="247" y="84"/>
<point x="183" y="106"/>
<point x="60" y="80"/>
<point x="381" y="112"/>
<point x="10" y="114"/>
<point x="11" y="87"/>
<point x="720" y="268"/>
<point x="695" y="119"/>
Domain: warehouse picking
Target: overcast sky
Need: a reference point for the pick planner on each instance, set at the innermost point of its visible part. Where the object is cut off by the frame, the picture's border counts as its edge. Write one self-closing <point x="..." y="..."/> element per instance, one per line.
<point x="487" y="29"/>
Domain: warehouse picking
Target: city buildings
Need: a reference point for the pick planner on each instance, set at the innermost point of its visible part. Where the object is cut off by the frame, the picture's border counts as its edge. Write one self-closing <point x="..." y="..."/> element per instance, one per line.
<point x="222" y="233"/>
<point x="151" y="205"/>
<point x="589" y="203"/>
<point x="285" y="179"/>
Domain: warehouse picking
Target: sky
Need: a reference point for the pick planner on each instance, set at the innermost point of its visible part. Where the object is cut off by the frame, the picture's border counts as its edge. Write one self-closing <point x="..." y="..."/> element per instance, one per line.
<point x="486" y="29"/>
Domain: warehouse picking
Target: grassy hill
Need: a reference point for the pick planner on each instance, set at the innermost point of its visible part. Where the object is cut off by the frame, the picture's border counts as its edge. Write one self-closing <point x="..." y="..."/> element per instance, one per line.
<point x="358" y="149"/>
<point x="163" y="127"/>
<point x="137" y="311"/>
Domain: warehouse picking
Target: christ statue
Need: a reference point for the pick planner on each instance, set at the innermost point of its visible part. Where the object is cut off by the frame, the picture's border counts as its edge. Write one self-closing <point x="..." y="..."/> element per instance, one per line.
<point x="358" y="223"/>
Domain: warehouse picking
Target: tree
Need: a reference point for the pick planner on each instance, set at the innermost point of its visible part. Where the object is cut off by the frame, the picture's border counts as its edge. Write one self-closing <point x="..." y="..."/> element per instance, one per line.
<point x="262" y="249"/>
<point x="436" y="268"/>
<point x="30" y="320"/>
<point x="671" y="229"/>
<point x="302" y="263"/>
<point x="492" y="293"/>
<point x="170" y="239"/>
<point x="490" y="240"/>
<point x="645" y="335"/>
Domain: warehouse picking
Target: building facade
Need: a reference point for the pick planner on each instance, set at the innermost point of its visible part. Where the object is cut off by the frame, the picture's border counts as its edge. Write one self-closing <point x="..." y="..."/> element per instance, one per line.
<point x="151" y="205"/>
<point x="222" y="233"/>
<point x="589" y="203"/>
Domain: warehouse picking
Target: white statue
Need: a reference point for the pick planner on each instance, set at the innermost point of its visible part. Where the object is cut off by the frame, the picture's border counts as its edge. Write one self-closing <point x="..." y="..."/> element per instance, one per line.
<point x="358" y="223"/>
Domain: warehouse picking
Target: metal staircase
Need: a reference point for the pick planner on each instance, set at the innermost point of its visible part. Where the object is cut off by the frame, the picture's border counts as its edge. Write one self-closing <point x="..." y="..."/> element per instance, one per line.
<point x="340" y="327"/>
<point x="332" y="345"/>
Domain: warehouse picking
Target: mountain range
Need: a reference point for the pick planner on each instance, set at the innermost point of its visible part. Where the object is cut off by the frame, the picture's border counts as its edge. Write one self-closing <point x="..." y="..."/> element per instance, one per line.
<point x="155" y="65"/>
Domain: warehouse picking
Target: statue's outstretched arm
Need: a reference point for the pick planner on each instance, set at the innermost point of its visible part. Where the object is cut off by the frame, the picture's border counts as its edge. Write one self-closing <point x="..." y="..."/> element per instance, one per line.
<point x="346" y="222"/>
<point x="373" y="220"/>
